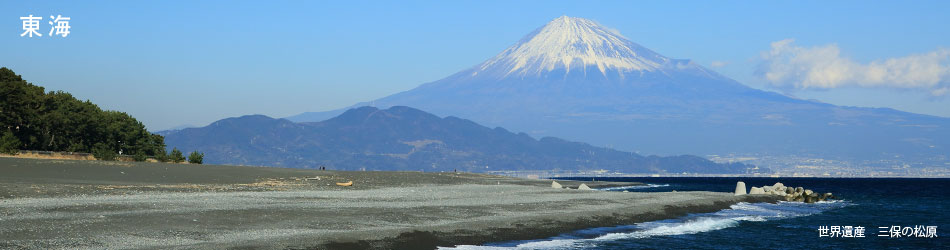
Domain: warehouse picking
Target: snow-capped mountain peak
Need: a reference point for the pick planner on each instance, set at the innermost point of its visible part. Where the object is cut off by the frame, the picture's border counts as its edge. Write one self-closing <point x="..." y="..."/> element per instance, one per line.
<point x="572" y="44"/>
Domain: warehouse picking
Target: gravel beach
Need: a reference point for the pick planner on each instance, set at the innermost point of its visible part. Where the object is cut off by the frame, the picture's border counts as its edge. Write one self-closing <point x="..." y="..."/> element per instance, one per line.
<point x="92" y="204"/>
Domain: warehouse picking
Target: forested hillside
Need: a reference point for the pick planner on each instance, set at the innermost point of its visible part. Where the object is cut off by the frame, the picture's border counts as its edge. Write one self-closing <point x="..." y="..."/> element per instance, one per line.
<point x="408" y="139"/>
<point x="33" y="119"/>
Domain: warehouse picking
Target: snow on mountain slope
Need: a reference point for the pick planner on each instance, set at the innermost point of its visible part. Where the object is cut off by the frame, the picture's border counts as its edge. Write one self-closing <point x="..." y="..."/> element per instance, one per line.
<point x="572" y="44"/>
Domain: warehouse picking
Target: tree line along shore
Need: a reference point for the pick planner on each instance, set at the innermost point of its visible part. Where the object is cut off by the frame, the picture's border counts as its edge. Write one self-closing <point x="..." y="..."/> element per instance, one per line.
<point x="36" y="120"/>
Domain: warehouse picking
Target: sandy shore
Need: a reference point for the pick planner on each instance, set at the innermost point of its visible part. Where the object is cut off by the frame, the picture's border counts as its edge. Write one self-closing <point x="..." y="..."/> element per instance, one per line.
<point x="91" y="204"/>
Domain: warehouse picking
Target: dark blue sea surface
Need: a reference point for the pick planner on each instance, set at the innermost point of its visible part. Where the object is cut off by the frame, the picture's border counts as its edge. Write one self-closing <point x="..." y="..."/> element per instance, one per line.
<point x="867" y="202"/>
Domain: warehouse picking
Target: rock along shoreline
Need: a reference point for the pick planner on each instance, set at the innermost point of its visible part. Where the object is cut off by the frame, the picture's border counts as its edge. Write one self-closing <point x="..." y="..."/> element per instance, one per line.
<point x="799" y="194"/>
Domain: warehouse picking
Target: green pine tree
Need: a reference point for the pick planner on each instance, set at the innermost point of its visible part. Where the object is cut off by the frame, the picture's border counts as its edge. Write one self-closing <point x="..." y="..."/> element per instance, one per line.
<point x="196" y="158"/>
<point x="9" y="144"/>
<point x="176" y="156"/>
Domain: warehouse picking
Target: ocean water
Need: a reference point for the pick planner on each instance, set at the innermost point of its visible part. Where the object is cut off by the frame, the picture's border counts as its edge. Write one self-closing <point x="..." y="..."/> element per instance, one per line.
<point x="867" y="202"/>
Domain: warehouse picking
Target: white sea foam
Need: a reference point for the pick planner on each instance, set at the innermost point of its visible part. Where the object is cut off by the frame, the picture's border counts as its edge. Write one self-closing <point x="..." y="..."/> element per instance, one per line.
<point x="634" y="187"/>
<point x="697" y="223"/>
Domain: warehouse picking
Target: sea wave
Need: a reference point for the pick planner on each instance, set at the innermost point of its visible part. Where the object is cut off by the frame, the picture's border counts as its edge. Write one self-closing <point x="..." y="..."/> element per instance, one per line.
<point x="692" y="224"/>
<point x="621" y="188"/>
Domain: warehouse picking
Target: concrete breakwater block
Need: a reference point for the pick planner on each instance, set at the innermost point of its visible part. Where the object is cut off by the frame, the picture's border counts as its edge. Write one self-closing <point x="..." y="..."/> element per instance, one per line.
<point x="799" y="194"/>
<point x="740" y="188"/>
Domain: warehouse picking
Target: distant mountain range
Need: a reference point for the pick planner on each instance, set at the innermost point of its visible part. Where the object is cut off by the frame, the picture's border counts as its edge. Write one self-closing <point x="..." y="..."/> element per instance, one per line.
<point x="403" y="138"/>
<point x="576" y="79"/>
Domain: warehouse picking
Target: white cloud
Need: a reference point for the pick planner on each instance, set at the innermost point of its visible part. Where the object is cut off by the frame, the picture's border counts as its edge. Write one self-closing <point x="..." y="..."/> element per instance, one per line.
<point x="941" y="91"/>
<point x="718" y="64"/>
<point x="788" y="65"/>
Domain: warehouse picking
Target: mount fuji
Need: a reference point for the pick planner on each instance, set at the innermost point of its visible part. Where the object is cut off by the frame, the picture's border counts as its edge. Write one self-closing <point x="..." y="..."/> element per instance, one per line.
<point x="578" y="80"/>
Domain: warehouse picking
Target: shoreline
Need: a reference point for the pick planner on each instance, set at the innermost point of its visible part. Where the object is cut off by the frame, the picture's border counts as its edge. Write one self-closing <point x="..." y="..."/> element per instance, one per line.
<point x="66" y="156"/>
<point x="758" y="176"/>
<point x="541" y="227"/>
<point x="89" y="204"/>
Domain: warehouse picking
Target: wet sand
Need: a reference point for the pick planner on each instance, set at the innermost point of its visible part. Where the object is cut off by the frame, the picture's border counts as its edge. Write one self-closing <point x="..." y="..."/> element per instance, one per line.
<point x="93" y="204"/>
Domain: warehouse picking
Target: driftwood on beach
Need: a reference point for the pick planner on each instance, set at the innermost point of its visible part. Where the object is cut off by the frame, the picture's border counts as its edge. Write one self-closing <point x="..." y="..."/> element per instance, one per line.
<point x="345" y="184"/>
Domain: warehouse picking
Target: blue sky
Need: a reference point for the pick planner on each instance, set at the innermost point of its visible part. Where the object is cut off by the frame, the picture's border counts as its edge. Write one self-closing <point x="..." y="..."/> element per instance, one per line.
<point x="171" y="63"/>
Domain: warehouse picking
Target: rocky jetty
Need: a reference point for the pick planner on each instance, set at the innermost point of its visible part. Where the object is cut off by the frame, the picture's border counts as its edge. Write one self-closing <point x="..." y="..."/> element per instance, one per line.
<point x="790" y="193"/>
